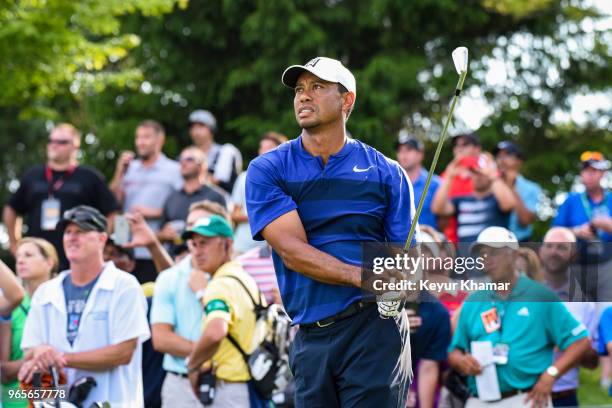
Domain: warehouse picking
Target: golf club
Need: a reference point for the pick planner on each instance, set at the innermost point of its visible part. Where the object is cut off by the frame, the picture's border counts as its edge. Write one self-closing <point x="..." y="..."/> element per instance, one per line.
<point x="460" y="59"/>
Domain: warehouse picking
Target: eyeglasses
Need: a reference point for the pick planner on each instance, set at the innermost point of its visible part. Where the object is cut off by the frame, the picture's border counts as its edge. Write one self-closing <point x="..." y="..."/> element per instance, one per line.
<point x="61" y="142"/>
<point x="588" y="156"/>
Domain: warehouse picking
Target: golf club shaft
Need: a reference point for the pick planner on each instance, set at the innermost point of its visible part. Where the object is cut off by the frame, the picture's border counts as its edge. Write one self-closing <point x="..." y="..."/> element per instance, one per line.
<point x="435" y="161"/>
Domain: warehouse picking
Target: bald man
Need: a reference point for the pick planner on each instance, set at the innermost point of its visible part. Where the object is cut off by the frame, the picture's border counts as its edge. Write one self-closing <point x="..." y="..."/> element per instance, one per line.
<point x="557" y="253"/>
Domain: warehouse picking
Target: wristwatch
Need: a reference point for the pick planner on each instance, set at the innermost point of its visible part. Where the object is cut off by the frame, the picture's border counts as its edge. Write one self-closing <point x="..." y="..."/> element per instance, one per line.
<point x="552" y="371"/>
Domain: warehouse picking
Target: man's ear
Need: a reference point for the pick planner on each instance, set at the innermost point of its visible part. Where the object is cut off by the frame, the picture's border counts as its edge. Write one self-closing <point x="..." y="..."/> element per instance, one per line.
<point x="348" y="103"/>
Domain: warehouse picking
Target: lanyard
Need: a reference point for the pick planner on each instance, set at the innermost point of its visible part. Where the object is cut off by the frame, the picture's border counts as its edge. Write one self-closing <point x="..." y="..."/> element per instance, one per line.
<point x="53" y="187"/>
<point x="588" y="208"/>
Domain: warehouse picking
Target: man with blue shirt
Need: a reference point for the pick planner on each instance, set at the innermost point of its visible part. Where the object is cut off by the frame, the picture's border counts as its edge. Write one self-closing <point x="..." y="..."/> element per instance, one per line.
<point x="316" y="199"/>
<point x="527" y="194"/>
<point x="589" y="213"/>
<point x="410" y="153"/>
<point x="522" y="324"/>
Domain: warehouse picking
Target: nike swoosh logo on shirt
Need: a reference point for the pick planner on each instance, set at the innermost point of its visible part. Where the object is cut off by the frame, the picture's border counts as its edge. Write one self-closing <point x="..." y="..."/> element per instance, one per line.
<point x="358" y="170"/>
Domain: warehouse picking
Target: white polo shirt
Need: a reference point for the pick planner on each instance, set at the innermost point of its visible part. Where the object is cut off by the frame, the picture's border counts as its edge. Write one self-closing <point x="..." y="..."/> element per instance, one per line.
<point x="116" y="311"/>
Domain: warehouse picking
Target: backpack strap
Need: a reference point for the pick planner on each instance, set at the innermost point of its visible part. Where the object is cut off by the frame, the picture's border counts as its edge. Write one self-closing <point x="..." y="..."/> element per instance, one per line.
<point x="258" y="306"/>
<point x="234" y="342"/>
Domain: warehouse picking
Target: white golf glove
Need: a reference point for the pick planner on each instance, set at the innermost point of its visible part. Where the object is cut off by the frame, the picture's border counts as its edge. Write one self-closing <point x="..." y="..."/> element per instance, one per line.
<point x="390" y="304"/>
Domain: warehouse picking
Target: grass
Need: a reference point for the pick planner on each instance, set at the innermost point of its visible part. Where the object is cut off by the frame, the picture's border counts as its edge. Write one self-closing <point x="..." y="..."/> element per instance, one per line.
<point x="590" y="394"/>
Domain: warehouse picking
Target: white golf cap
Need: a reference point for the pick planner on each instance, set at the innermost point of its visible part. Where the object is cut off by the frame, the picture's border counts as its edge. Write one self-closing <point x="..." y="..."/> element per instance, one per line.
<point x="428" y="241"/>
<point x="328" y="69"/>
<point x="204" y="117"/>
<point x="496" y="237"/>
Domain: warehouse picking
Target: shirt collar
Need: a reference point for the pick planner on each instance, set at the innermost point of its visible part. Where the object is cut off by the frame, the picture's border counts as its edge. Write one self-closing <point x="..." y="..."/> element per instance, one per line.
<point x="348" y="147"/>
<point x="55" y="292"/>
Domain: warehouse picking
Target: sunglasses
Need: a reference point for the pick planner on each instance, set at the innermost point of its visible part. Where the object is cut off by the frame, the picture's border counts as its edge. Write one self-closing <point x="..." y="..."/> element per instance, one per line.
<point x="588" y="156"/>
<point x="77" y="215"/>
<point x="61" y="142"/>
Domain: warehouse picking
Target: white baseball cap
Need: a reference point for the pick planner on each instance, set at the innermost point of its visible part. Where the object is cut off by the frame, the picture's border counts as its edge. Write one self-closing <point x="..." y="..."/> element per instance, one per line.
<point x="496" y="237"/>
<point x="204" y="117"/>
<point x="328" y="69"/>
<point x="428" y="241"/>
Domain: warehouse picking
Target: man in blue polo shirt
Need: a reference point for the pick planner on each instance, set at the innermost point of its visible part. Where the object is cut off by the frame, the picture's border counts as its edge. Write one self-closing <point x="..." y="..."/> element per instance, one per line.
<point x="410" y="154"/>
<point x="522" y="322"/>
<point x="509" y="158"/>
<point x="589" y="213"/>
<point x="315" y="199"/>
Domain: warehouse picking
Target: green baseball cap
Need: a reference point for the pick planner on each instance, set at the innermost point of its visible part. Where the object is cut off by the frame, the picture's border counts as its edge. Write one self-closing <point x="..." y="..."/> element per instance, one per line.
<point x="212" y="226"/>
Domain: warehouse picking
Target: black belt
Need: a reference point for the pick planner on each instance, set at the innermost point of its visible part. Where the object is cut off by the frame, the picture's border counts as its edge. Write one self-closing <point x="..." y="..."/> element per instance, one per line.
<point x="352" y="310"/>
<point x="179" y="374"/>
<point x="563" y="394"/>
<point x="508" y="394"/>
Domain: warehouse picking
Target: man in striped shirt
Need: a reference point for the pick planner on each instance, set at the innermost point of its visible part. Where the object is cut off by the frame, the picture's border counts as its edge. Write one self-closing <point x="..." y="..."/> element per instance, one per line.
<point x="258" y="263"/>
<point x="489" y="205"/>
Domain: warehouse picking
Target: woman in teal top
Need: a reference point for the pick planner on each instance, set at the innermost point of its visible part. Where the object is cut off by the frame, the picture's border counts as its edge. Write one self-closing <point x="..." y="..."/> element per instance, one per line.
<point x="36" y="262"/>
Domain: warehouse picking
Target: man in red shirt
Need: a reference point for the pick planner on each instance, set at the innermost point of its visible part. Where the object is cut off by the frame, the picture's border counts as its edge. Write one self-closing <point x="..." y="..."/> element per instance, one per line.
<point x="464" y="144"/>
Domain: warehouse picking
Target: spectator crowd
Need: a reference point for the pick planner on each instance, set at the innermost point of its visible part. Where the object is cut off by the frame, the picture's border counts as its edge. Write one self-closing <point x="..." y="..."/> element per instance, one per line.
<point x="161" y="319"/>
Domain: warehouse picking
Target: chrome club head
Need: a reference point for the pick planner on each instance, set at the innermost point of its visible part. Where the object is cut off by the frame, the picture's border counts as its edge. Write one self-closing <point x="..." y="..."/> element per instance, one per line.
<point x="460" y="59"/>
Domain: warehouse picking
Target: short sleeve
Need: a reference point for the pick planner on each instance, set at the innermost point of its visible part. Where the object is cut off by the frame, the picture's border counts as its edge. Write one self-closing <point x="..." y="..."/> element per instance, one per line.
<point x="437" y="348"/>
<point x="105" y="200"/>
<point x="563" y="213"/>
<point x="228" y="156"/>
<point x="238" y="193"/>
<point x="217" y="302"/>
<point x="400" y="211"/>
<point x="265" y="198"/>
<point x="605" y="331"/>
<point x="129" y="317"/>
<point x="35" y="331"/>
<point x="162" y="306"/>
<point x="18" y="201"/>
<point x="562" y="326"/>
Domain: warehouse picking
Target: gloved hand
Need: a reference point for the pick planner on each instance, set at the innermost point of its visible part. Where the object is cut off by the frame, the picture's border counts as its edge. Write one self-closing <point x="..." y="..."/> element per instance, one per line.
<point x="390" y="304"/>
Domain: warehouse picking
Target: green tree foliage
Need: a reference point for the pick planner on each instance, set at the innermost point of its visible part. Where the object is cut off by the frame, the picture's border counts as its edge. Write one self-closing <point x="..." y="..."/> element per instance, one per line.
<point x="54" y="54"/>
<point x="47" y="45"/>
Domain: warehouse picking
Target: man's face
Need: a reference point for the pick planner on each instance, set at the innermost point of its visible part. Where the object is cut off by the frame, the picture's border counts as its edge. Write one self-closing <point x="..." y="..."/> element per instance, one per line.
<point x="60" y="146"/>
<point x="507" y="162"/>
<point x="209" y="253"/>
<point x="316" y="102"/>
<point x="191" y="164"/>
<point x="555" y="254"/>
<point x="591" y="178"/>
<point x="499" y="263"/>
<point x="148" y="142"/>
<point x="80" y="244"/>
<point x="200" y="134"/>
<point x="481" y="182"/>
<point x="265" y="146"/>
<point x="118" y="257"/>
<point x="464" y="147"/>
<point x="408" y="157"/>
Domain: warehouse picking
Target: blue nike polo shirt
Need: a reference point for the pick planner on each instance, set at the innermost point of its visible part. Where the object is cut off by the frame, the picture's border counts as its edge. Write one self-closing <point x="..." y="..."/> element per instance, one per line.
<point x="359" y="196"/>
